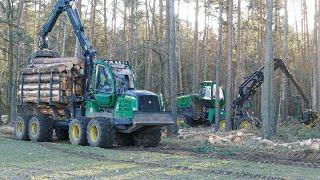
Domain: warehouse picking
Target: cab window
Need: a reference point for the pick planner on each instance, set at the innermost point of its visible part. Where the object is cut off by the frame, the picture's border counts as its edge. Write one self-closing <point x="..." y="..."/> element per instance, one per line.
<point x="103" y="80"/>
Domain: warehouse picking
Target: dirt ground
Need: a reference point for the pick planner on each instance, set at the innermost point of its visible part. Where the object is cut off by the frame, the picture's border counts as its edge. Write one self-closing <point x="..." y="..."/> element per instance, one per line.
<point x="173" y="159"/>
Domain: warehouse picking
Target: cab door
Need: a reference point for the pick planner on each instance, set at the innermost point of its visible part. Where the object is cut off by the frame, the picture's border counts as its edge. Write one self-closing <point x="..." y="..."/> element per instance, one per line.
<point x="104" y="86"/>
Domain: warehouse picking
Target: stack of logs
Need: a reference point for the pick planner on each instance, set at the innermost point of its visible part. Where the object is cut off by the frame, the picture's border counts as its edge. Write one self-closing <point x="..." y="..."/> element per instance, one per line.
<point x="51" y="79"/>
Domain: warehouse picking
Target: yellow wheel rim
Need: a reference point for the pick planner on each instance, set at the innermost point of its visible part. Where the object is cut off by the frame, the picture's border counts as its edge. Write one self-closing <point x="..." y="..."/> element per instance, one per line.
<point x="93" y="132"/>
<point x="180" y="121"/>
<point x="19" y="127"/>
<point x="222" y="125"/>
<point x="34" y="128"/>
<point x="75" y="131"/>
<point x="245" y="124"/>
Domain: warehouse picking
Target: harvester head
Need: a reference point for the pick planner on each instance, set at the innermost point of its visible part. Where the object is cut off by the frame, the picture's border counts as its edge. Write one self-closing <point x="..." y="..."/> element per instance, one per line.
<point x="311" y="118"/>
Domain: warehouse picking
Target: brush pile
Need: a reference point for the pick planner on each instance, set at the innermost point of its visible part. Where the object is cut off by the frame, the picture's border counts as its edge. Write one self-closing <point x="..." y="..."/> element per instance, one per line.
<point x="51" y="80"/>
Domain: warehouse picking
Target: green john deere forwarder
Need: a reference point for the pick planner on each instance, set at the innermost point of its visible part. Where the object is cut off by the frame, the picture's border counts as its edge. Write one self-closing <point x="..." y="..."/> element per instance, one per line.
<point x="106" y="111"/>
<point x="197" y="109"/>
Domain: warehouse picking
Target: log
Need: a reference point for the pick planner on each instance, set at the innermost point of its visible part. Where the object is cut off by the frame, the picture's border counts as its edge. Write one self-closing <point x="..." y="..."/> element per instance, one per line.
<point x="34" y="93"/>
<point x="45" y="78"/>
<point x="72" y="60"/>
<point x="43" y="86"/>
<point x="44" y="70"/>
<point x="42" y="99"/>
<point x="77" y="67"/>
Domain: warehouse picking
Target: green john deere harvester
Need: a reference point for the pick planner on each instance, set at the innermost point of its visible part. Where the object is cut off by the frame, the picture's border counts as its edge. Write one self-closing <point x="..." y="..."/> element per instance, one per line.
<point x="198" y="109"/>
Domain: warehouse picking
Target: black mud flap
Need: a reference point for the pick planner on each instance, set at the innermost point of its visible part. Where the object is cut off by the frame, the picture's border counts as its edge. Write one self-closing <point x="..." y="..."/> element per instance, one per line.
<point x="156" y="118"/>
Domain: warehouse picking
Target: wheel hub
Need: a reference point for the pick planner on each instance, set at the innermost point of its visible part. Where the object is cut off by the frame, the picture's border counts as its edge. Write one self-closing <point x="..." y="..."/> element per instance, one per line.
<point x="180" y="121"/>
<point x="245" y="125"/>
<point x="34" y="128"/>
<point x="75" y="131"/>
<point x="19" y="127"/>
<point x="222" y="125"/>
<point x="93" y="133"/>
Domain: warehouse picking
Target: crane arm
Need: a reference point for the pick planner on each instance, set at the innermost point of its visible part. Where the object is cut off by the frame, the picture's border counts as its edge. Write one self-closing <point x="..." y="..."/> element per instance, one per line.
<point x="60" y="7"/>
<point x="279" y="64"/>
<point x="89" y="53"/>
<point x="249" y="87"/>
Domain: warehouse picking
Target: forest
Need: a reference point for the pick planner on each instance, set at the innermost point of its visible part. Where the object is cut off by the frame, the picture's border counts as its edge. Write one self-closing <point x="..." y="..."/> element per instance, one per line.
<point x="159" y="89"/>
<point x="136" y="30"/>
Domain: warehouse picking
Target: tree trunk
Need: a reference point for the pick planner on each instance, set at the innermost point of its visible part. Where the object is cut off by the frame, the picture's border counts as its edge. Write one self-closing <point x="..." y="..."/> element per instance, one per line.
<point x="218" y="62"/>
<point x="238" y="68"/>
<point x="267" y="106"/>
<point x="195" y="71"/>
<point x="229" y="109"/>
<point x="77" y="49"/>
<point x="317" y="65"/>
<point x="92" y="22"/>
<point x="64" y="35"/>
<point x="124" y="38"/>
<point x="15" y="61"/>
<point x="179" y="46"/>
<point x="315" y="58"/>
<point x="149" y="34"/>
<point x="105" y="27"/>
<point x="10" y="51"/>
<point x="283" y="103"/>
<point x="172" y="130"/>
<point x="114" y="23"/>
<point x="132" y="31"/>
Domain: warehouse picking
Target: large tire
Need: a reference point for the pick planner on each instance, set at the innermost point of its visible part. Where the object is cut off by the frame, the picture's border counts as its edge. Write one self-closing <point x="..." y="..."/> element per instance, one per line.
<point x="245" y="123"/>
<point x="62" y="134"/>
<point x="21" y="128"/>
<point x="222" y="125"/>
<point x="40" y="129"/>
<point x="77" y="131"/>
<point x="101" y="133"/>
<point x="124" y="139"/>
<point x="185" y="120"/>
<point x="150" y="137"/>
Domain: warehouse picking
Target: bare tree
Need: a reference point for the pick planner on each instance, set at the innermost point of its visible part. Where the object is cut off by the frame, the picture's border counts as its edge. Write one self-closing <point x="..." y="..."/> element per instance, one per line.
<point x="267" y="99"/>
<point x="283" y="103"/>
<point x="317" y="63"/>
<point x="218" y="63"/>
<point x="229" y="67"/>
<point x="195" y="70"/>
<point x="238" y="68"/>
<point x="92" y="21"/>
<point x="77" y="49"/>
<point x="315" y="57"/>
<point x="15" y="61"/>
<point x="171" y="40"/>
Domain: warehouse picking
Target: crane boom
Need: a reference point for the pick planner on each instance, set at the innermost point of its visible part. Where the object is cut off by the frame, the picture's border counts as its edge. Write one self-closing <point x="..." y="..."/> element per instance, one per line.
<point x="249" y="87"/>
<point x="89" y="53"/>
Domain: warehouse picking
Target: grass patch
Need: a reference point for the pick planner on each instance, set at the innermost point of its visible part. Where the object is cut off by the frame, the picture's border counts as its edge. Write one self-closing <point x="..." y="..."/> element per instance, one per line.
<point x="290" y="133"/>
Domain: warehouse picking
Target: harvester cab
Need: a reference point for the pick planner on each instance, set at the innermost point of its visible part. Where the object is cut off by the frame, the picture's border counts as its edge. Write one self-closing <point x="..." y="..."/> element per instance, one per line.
<point x="207" y="91"/>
